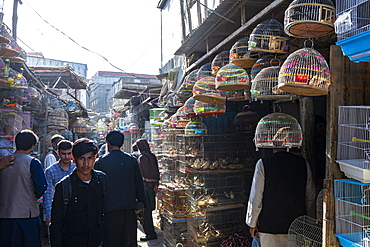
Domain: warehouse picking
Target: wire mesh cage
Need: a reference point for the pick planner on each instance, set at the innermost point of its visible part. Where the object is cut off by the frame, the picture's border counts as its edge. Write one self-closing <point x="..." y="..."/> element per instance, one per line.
<point x="241" y="55"/>
<point x="33" y="94"/>
<point x="238" y="95"/>
<point x="278" y="130"/>
<point x="182" y="120"/>
<point x="205" y="90"/>
<point x="232" y="77"/>
<point x="204" y="71"/>
<point x="309" y="18"/>
<point x="264" y="85"/>
<point x="196" y="127"/>
<point x="246" y="121"/>
<point x="80" y="126"/>
<point x="305" y="231"/>
<point x="220" y="60"/>
<point x="353" y="18"/>
<point x="353" y="150"/>
<point x="189" y="108"/>
<point x="269" y="36"/>
<point x="263" y="62"/>
<point x="203" y="109"/>
<point x="305" y="72"/>
<point x="320" y="205"/>
<point x="352" y="212"/>
<point x="58" y="119"/>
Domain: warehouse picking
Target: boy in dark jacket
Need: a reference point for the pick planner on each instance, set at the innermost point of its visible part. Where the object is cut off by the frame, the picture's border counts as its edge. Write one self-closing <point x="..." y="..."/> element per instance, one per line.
<point x="77" y="209"/>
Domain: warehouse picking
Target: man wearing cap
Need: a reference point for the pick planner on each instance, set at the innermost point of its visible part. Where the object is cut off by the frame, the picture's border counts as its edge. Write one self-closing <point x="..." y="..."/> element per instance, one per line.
<point x="21" y="184"/>
<point x="53" y="156"/>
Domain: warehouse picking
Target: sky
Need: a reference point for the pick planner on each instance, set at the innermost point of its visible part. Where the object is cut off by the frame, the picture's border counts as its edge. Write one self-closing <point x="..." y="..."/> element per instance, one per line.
<point x="125" y="32"/>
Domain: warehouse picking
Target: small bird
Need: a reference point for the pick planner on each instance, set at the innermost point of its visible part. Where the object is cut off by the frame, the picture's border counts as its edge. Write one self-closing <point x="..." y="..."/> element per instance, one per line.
<point x="282" y="133"/>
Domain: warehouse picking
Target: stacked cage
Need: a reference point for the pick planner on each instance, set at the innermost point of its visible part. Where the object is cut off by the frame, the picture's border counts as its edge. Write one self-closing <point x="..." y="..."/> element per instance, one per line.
<point x="352" y="209"/>
<point x="353" y="153"/>
<point x="155" y="129"/>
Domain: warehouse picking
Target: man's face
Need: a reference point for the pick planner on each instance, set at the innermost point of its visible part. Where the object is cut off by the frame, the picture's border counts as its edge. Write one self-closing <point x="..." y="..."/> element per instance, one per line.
<point x="65" y="156"/>
<point x="85" y="163"/>
<point x="55" y="143"/>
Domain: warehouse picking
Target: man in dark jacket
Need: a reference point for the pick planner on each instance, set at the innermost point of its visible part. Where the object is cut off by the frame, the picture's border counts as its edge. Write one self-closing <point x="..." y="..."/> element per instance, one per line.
<point x="77" y="208"/>
<point x="125" y="190"/>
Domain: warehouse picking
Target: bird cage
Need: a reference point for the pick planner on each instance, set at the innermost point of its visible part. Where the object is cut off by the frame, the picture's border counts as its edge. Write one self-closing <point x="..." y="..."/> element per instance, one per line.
<point x="269" y="36"/>
<point x="134" y="128"/>
<point x="232" y="77"/>
<point x="246" y="121"/>
<point x="352" y="212"/>
<point x="204" y="71"/>
<point x="189" y="108"/>
<point x="353" y="150"/>
<point x="238" y="95"/>
<point x="305" y="72"/>
<point x="203" y="109"/>
<point x="67" y="134"/>
<point x="263" y="62"/>
<point x="132" y="118"/>
<point x="353" y="28"/>
<point x="220" y="60"/>
<point x="309" y="18"/>
<point x="305" y="231"/>
<point x="204" y="90"/>
<point x="34" y="95"/>
<point x="241" y="55"/>
<point x="278" y="130"/>
<point x="79" y="126"/>
<point x="264" y="85"/>
<point x="196" y="127"/>
<point x="162" y="116"/>
<point x="185" y="90"/>
<point x="58" y="119"/>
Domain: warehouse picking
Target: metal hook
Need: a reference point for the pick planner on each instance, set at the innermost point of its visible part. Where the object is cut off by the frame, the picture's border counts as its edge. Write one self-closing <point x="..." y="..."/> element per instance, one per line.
<point x="305" y="43"/>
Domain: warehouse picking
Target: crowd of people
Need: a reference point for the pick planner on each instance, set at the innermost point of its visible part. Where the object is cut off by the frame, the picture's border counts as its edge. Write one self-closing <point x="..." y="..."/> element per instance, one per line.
<point x="90" y="197"/>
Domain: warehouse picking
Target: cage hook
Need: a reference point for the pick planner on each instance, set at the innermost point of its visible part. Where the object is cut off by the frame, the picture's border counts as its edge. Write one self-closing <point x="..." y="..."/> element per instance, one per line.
<point x="305" y="43"/>
<point x="276" y="106"/>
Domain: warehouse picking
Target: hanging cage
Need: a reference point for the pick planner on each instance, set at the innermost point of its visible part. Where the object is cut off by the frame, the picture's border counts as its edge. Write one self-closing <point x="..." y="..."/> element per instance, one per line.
<point x="309" y="18"/>
<point x="220" y="60"/>
<point x="264" y="85"/>
<point x="189" y="108"/>
<point x="67" y="134"/>
<point x="231" y="78"/>
<point x="58" y="119"/>
<point x="241" y="55"/>
<point x="182" y="120"/>
<point x="238" y="95"/>
<point x="263" y="62"/>
<point x="134" y="128"/>
<point x="305" y="72"/>
<point x="203" y="109"/>
<point x="204" y="90"/>
<point x="246" y="121"/>
<point x="79" y="126"/>
<point x="204" y="71"/>
<point x="269" y="36"/>
<point x="196" y="127"/>
<point x="278" y="130"/>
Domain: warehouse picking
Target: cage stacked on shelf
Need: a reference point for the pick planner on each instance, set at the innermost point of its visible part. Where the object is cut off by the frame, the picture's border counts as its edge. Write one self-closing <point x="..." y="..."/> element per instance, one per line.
<point x="352" y="212"/>
<point x="353" y="152"/>
<point x="174" y="232"/>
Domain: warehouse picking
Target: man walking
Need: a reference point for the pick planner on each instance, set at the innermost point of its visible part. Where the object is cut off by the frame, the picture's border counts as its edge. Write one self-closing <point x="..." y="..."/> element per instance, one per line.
<point x="124" y="190"/>
<point x="53" y="156"/>
<point x="56" y="172"/>
<point x="21" y="184"/>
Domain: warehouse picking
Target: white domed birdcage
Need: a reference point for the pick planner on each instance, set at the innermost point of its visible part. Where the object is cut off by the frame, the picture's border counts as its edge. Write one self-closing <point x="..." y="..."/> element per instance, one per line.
<point x="196" y="127"/>
<point x="278" y="130"/>
<point x="232" y="77"/>
<point x="262" y="63"/>
<point x="220" y="60"/>
<point x="269" y="36"/>
<point x="204" y="71"/>
<point x="246" y="121"/>
<point x="204" y="90"/>
<point x="264" y="85"/>
<point x="58" y="119"/>
<point x="203" y="109"/>
<point x="241" y="55"/>
<point x="189" y="108"/>
<point x="309" y="18"/>
<point x="305" y="72"/>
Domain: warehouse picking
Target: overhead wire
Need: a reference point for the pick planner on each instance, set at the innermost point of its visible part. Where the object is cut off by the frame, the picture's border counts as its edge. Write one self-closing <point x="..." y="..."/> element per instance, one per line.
<point x="222" y="16"/>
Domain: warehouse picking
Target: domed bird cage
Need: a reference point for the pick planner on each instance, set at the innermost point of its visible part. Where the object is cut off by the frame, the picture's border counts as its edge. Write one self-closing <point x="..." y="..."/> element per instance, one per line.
<point x="220" y="60"/>
<point x="189" y="108"/>
<point x="182" y="120"/>
<point x="132" y="118"/>
<point x="309" y="18"/>
<point x="264" y="85"/>
<point x="196" y="127"/>
<point x="204" y="90"/>
<point x="57" y="119"/>
<point x="34" y="95"/>
<point x="67" y="134"/>
<point x="278" y="130"/>
<point x="162" y="116"/>
<point x="204" y="71"/>
<point x="203" y="109"/>
<point x="305" y="72"/>
<point x="232" y="77"/>
<point x="238" y="95"/>
<point x="133" y="128"/>
<point x="269" y="36"/>
<point x="246" y="121"/>
<point x="79" y="126"/>
<point x="262" y="63"/>
<point x="241" y="55"/>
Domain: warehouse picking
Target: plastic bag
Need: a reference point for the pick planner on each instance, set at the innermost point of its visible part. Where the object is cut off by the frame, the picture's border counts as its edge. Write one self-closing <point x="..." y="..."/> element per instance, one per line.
<point x="256" y="242"/>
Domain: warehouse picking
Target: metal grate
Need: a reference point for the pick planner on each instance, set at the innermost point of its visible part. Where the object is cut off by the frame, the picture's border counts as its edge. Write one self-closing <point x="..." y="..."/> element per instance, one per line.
<point x="305" y="231"/>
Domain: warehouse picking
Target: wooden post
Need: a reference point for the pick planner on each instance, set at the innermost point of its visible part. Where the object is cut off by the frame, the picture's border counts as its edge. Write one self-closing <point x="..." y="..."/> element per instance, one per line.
<point x="307" y="121"/>
<point x="350" y="85"/>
